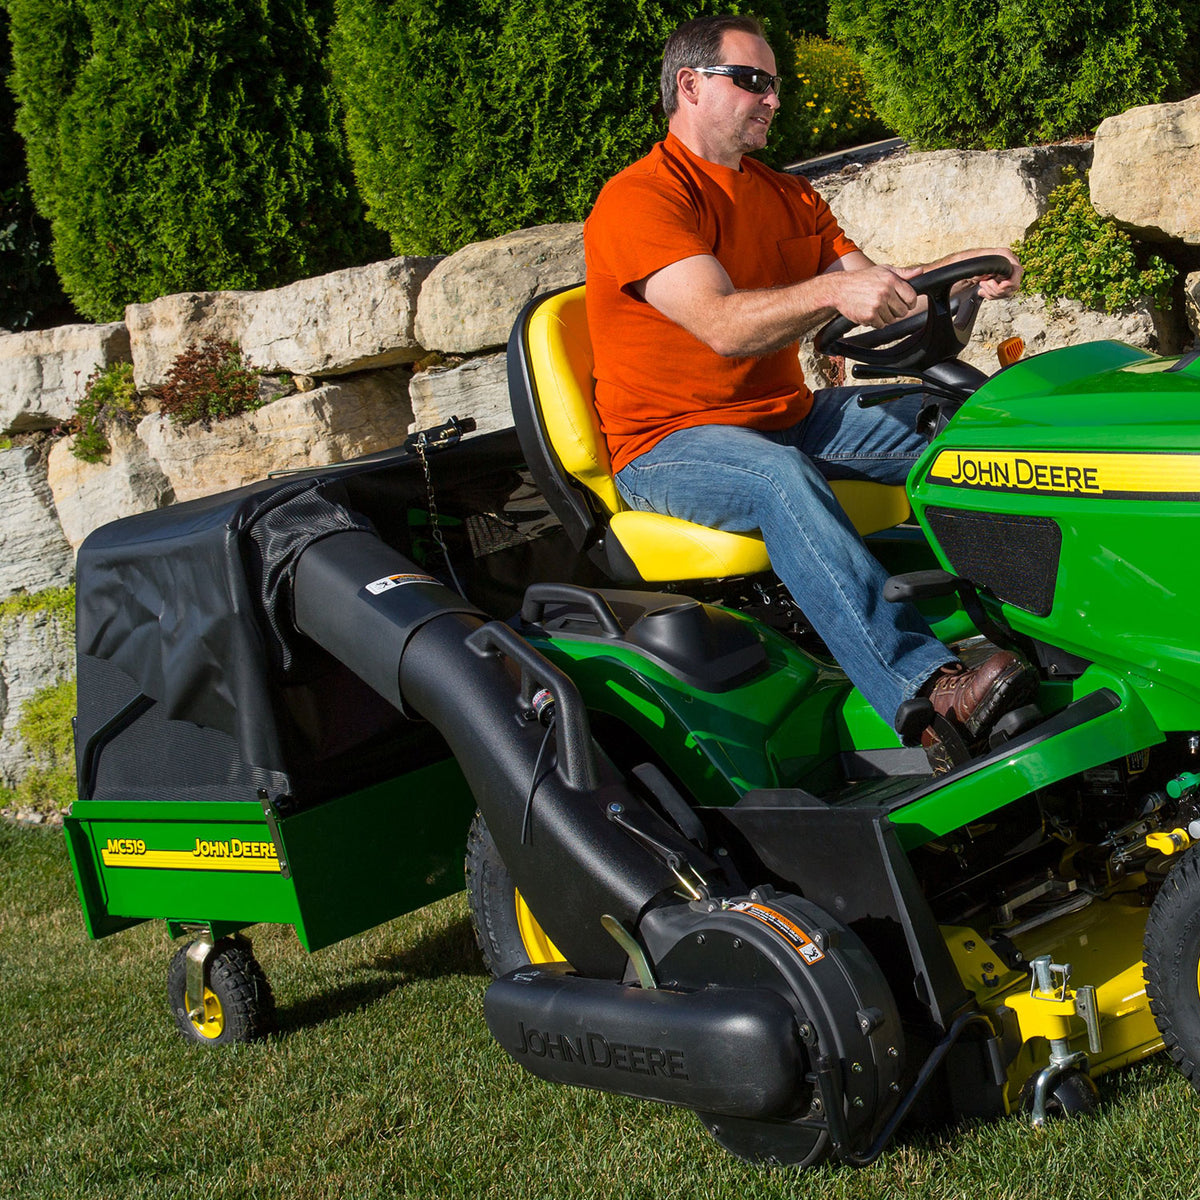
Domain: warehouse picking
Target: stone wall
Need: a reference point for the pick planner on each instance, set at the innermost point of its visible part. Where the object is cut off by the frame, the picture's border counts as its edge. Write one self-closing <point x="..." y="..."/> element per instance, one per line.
<point x="37" y="649"/>
<point x="354" y="360"/>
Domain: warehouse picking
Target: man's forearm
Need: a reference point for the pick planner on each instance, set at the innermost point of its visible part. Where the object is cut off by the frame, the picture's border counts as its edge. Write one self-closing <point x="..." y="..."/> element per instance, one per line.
<point x="697" y="294"/>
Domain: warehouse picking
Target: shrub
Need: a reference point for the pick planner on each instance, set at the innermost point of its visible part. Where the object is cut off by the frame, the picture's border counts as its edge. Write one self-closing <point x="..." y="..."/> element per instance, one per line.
<point x="44" y="725"/>
<point x="29" y="291"/>
<point x="834" y="110"/>
<point x="45" y="728"/>
<point x="1074" y="252"/>
<point x="108" y="397"/>
<point x="209" y="382"/>
<point x="998" y="73"/>
<point x="58" y="602"/>
<point x="186" y="145"/>
<point x="469" y="118"/>
<point x="806" y="17"/>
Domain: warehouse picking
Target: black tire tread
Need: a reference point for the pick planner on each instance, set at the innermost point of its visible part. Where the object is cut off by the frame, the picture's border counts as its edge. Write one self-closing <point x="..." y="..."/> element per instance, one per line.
<point x="491" y="897"/>
<point x="1171" y="949"/>
<point x="238" y="981"/>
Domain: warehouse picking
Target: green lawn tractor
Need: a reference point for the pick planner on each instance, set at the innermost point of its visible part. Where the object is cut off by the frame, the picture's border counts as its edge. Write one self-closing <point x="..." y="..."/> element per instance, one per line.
<point x="703" y="871"/>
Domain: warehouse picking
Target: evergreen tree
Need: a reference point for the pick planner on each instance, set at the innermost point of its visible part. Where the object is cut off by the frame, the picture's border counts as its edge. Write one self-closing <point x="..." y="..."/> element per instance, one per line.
<point x="469" y="118"/>
<point x="997" y="73"/>
<point x="183" y="145"/>
<point x="30" y="295"/>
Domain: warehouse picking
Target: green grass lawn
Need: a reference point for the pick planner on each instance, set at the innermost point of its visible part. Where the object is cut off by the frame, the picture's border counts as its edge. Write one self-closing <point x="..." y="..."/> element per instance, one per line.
<point x="383" y="1082"/>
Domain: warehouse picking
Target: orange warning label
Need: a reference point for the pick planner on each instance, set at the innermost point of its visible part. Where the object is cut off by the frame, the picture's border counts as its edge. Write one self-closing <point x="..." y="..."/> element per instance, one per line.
<point x="784" y="927"/>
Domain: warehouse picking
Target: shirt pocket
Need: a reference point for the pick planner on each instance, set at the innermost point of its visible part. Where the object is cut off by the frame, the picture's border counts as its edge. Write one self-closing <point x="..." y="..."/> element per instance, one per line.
<point x="801" y="257"/>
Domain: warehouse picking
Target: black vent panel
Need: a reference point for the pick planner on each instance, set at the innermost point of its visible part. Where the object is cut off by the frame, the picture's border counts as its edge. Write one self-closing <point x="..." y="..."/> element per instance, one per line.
<point x="1016" y="558"/>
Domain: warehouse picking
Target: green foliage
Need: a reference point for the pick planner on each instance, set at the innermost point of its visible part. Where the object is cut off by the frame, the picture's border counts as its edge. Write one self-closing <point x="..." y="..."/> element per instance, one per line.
<point x="29" y="290"/>
<point x="834" y="110"/>
<point x="45" y="728"/>
<point x="1075" y="252"/>
<point x="1189" y="56"/>
<point x="44" y="725"/>
<point x="59" y="603"/>
<point x="997" y="73"/>
<point x="209" y="382"/>
<point x="183" y="144"/>
<point x="469" y="118"/>
<point x="108" y="397"/>
<point x="806" y="17"/>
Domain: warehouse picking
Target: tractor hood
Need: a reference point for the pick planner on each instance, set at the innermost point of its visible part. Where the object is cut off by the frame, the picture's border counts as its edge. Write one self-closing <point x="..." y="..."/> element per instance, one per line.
<point x="1068" y="487"/>
<point x="1104" y="395"/>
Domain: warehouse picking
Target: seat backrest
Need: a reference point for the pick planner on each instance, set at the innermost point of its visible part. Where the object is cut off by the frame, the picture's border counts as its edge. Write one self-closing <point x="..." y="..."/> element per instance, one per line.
<point x="552" y="391"/>
<point x="559" y="349"/>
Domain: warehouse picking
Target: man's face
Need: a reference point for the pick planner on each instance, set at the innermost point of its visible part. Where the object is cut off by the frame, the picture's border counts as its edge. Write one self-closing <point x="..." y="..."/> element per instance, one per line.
<point x="739" y="118"/>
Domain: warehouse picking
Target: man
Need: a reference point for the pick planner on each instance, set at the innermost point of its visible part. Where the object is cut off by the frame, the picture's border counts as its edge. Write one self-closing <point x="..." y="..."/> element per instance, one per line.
<point x="703" y="270"/>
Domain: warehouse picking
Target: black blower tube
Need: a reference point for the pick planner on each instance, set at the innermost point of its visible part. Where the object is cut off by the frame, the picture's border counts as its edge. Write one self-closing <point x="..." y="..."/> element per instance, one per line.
<point x="429" y="652"/>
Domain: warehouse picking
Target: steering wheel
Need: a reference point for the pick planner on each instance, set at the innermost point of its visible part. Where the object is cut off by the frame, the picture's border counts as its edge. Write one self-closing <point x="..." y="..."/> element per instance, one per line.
<point x="925" y="338"/>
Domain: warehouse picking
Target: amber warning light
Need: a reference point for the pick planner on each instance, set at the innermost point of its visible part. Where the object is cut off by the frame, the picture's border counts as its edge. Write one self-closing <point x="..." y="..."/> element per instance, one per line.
<point x="1010" y="350"/>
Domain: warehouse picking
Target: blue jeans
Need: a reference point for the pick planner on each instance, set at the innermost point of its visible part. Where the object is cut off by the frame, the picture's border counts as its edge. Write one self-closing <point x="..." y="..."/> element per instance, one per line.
<point x="729" y="477"/>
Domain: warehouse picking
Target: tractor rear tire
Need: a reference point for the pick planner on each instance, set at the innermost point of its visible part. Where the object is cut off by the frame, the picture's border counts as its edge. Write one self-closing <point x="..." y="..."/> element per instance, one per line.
<point x="238" y="1004"/>
<point x="508" y="934"/>
<point x="1172" y="955"/>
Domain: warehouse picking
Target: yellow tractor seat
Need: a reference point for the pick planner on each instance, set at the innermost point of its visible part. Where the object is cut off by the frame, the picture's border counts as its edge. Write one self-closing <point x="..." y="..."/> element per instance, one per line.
<point x="551" y="388"/>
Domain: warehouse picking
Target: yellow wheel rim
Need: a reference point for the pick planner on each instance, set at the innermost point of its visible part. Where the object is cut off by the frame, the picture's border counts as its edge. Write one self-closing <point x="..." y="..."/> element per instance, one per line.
<point x="212" y="1023"/>
<point x="533" y="937"/>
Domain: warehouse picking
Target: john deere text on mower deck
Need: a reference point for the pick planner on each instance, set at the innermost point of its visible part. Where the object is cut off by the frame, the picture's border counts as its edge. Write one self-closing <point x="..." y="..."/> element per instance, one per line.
<point x="703" y="870"/>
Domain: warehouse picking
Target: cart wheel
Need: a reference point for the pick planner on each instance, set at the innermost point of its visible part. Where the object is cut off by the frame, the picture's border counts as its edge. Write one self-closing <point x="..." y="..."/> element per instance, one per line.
<point x="1172" y="954"/>
<point x="238" y="1004"/>
<point x="508" y="934"/>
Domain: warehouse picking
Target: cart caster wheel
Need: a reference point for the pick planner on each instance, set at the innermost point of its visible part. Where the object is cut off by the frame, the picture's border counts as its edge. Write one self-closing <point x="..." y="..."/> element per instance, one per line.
<point x="507" y="933"/>
<point x="238" y="1004"/>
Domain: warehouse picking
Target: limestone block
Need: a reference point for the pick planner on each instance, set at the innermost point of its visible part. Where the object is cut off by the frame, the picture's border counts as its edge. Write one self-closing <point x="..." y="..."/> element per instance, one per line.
<point x="1050" y="325"/>
<point x="43" y="372"/>
<point x="476" y="388"/>
<point x="161" y="330"/>
<point x="88" y="495"/>
<point x="34" y="554"/>
<point x="357" y="415"/>
<point x="1191" y="303"/>
<point x="36" y="650"/>
<point x="1146" y="172"/>
<point x="919" y="207"/>
<point x="471" y="299"/>
<point x="353" y="320"/>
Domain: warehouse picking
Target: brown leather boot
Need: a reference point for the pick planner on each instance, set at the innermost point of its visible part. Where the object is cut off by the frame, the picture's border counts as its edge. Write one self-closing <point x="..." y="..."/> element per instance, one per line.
<point x="973" y="699"/>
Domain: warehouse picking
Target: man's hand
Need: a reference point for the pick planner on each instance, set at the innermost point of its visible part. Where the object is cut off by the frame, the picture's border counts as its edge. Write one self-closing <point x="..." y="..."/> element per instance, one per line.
<point x="872" y="295"/>
<point x="991" y="287"/>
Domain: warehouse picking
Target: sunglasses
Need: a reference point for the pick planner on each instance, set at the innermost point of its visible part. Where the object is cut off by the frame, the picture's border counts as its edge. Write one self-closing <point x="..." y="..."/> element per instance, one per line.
<point x="749" y="79"/>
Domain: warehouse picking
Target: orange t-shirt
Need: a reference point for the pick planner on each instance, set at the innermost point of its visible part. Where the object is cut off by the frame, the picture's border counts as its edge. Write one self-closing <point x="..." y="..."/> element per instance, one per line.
<point x="652" y="376"/>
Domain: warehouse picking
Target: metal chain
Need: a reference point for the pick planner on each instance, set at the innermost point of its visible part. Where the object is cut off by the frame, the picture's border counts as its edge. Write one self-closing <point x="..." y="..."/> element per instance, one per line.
<point x="434" y="526"/>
